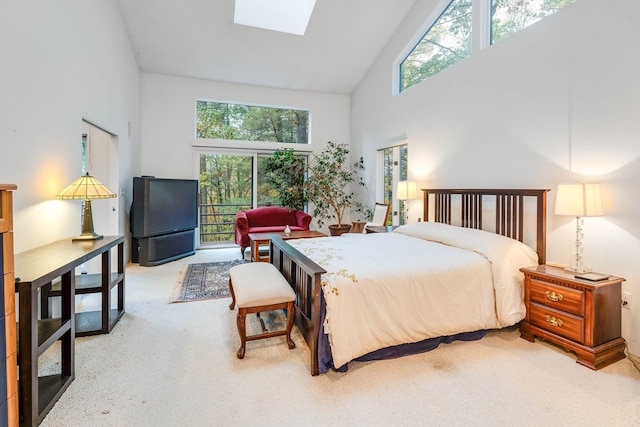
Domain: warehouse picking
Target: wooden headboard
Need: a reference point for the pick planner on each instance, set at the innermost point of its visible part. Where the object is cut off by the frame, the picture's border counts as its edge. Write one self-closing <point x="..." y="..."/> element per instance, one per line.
<point x="506" y="206"/>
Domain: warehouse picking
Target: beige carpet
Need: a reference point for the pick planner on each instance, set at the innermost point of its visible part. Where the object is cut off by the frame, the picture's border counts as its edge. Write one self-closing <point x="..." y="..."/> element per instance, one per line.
<point x="175" y="365"/>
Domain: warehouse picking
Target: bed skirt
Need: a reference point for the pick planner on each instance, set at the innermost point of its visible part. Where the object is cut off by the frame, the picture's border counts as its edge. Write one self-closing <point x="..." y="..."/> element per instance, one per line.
<point x="325" y="360"/>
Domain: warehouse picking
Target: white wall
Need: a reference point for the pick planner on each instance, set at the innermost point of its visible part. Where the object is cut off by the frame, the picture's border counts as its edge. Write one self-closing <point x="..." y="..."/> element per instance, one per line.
<point x="62" y="61"/>
<point x="168" y="119"/>
<point x="556" y="103"/>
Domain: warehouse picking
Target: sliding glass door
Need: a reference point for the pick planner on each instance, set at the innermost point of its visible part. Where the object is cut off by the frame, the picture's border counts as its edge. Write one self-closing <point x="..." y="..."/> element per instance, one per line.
<point x="226" y="186"/>
<point x="230" y="182"/>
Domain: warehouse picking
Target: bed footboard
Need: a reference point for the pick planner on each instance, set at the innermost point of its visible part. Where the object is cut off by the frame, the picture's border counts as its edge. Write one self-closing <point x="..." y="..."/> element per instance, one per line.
<point x="304" y="276"/>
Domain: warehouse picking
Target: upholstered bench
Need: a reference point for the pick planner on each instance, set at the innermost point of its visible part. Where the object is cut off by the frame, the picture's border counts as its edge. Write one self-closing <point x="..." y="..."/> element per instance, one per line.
<point x="257" y="287"/>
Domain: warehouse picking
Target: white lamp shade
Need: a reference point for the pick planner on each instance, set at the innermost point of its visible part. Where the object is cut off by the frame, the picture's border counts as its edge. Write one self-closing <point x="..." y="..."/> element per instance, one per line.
<point x="579" y="200"/>
<point x="407" y="190"/>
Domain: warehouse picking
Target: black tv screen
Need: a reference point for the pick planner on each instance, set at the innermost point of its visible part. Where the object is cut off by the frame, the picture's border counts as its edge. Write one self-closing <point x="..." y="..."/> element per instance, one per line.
<point x="162" y="206"/>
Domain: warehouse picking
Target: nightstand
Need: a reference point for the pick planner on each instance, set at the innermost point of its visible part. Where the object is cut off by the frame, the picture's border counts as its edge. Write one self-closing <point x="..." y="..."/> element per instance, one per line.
<point x="579" y="315"/>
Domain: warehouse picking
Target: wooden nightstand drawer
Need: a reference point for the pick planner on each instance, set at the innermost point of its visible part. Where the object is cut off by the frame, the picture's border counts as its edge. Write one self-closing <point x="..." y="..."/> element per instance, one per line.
<point x="558" y="322"/>
<point x="580" y="315"/>
<point x="558" y="297"/>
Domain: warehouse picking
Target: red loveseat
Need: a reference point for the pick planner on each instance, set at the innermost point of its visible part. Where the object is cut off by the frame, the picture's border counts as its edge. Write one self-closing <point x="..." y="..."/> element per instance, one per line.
<point x="269" y="219"/>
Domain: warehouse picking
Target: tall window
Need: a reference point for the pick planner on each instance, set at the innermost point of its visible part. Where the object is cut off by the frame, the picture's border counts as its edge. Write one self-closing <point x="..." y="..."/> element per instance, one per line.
<point x="247" y="177"/>
<point x="394" y="161"/>
<point x="239" y="122"/>
<point x="511" y="16"/>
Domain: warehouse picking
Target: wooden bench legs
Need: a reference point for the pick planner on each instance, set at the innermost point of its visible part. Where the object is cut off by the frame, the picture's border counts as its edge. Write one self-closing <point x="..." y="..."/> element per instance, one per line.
<point x="241" y="322"/>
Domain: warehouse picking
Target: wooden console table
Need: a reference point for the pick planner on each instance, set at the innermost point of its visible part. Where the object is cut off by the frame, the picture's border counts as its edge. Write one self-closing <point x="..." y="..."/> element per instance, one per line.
<point x="36" y="270"/>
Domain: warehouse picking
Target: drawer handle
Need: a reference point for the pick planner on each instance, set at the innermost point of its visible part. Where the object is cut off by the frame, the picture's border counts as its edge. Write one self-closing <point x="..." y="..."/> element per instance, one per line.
<point x="554" y="296"/>
<point x="553" y="321"/>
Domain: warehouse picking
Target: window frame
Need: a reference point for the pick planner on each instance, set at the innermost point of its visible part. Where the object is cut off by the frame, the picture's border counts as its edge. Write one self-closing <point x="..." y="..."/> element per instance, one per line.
<point x="414" y="41"/>
<point x="443" y="7"/>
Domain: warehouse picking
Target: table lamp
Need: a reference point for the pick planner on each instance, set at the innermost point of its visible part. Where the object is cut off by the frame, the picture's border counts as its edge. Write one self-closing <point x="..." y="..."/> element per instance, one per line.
<point x="86" y="188"/>
<point x="579" y="200"/>
<point x="407" y="190"/>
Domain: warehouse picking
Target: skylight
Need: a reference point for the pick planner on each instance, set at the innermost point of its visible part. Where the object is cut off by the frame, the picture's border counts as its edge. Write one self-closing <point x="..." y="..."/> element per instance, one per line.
<point x="287" y="16"/>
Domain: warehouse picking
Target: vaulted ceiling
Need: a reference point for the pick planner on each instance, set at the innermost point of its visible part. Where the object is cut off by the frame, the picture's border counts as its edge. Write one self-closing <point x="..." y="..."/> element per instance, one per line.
<point x="198" y="39"/>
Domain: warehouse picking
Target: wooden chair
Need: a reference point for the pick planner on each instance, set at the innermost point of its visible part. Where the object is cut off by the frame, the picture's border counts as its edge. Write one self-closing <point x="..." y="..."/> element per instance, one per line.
<point x="380" y="215"/>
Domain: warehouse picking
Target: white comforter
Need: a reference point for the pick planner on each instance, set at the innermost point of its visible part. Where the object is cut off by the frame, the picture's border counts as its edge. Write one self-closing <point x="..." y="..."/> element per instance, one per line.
<point x="422" y="281"/>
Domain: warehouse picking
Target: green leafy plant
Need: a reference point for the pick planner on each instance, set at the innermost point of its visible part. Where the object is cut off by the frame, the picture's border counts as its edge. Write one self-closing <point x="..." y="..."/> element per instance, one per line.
<point x="328" y="181"/>
<point x="362" y="212"/>
<point x="285" y="172"/>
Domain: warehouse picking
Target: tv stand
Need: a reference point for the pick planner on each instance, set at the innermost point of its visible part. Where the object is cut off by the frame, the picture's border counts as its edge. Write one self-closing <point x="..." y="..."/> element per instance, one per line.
<point x="156" y="250"/>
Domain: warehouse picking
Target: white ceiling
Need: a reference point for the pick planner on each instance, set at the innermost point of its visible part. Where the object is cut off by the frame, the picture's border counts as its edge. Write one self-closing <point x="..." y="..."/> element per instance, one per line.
<point x="198" y="39"/>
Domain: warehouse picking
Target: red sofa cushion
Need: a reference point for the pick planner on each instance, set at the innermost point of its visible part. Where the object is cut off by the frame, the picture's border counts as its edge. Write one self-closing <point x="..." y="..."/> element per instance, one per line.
<point x="273" y="229"/>
<point x="268" y="216"/>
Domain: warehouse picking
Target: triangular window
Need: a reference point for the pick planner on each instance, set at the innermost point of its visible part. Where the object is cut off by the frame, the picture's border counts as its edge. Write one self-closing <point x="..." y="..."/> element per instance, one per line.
<point x="446" y="42"/>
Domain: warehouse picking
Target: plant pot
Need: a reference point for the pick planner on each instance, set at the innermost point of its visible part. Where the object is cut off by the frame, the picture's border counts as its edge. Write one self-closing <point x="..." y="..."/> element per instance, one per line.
<point x="337" y="230"/>
<point x="357" y="227"/>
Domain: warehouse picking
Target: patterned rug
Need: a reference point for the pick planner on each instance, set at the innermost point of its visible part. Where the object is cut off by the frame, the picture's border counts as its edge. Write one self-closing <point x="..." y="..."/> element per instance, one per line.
<point x="204" y="281"/>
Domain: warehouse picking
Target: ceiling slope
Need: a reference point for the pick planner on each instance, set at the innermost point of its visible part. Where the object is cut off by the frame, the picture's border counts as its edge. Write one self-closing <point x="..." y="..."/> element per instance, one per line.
<point x="198" y="39"/>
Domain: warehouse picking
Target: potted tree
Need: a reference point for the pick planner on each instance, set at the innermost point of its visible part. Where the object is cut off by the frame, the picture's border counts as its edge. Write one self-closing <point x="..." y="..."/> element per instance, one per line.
<point x="327" y="185"/>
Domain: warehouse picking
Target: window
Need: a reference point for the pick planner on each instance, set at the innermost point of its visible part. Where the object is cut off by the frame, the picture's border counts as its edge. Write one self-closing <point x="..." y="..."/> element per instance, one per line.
<point x="245" y="177"/>
<point x="446" y="42"/>
<point x="238" y="122"/>
<point x="511" y="16"/>
<point x="451" y="38"/>
<point x="394" y="169"/>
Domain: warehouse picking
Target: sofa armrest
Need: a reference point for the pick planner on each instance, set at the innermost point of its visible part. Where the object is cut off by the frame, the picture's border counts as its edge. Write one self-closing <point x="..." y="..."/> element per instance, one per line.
<point x="242" y="230"/>
<point x="242" y="223"/>
<point x="303" y="219"/>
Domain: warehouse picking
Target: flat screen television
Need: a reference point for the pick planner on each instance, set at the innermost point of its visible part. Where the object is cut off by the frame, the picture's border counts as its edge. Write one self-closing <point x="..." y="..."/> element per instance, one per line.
<point x="163" y="206"/>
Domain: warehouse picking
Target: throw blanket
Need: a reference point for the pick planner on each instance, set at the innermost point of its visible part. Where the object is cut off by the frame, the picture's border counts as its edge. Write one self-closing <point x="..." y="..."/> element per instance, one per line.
<point x="422" y="281"/>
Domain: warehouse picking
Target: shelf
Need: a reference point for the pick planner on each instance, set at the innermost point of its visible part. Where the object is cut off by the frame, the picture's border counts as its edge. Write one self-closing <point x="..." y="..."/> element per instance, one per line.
<point x="50" y="388"/>
<point x="90" y="322"/>
<point x="50" y="331"/>
<point x="87" y="284"/>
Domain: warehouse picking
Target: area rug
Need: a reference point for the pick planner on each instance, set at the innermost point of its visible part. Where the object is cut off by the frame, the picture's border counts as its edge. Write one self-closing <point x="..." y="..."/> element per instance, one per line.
<point x="198" y="282"/>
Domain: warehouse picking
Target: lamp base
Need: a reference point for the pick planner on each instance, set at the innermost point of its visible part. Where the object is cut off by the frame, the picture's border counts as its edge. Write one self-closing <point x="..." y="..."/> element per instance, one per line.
<point x="87" y="236"/>
<point x="87" y="225"/>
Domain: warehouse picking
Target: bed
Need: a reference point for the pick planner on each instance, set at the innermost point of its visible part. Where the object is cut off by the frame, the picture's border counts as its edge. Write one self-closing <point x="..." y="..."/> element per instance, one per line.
<point x="454" y="276"/>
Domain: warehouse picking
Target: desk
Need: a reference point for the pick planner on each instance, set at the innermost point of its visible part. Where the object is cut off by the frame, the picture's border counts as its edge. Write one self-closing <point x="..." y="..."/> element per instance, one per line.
<point x="261" y="239"/>
<point x="36" y="269"/>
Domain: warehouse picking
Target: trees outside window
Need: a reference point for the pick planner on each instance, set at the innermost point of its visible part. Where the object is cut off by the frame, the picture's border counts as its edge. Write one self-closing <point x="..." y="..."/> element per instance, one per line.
<point x="446" y="42"/>
<point x="230" y="182"/>
<point x="511" y="16"/>
<point x="239" y="122"/>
